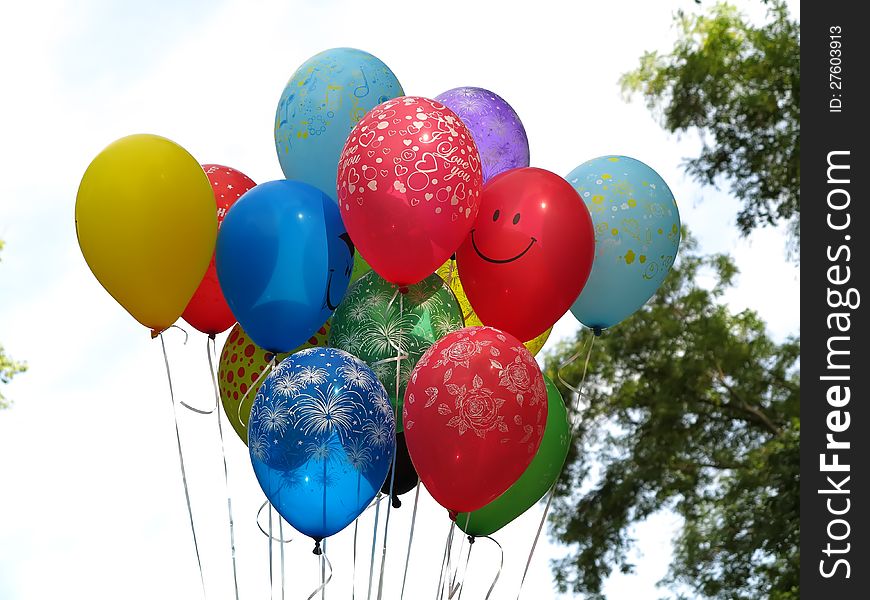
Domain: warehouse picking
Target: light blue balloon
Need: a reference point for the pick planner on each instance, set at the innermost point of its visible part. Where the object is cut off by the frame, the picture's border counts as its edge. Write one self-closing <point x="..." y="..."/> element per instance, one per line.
<point x="319" y="107"/>
<point x="321" y="438"/>
<point x="283" y="260"/>
<point x="637" y="234"/>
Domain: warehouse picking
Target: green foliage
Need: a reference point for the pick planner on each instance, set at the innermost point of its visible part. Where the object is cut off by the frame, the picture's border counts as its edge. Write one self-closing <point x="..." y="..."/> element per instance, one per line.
<point x="8" y="367"/>
<point x="739" y="86"/>
<point x="692" y="408"/>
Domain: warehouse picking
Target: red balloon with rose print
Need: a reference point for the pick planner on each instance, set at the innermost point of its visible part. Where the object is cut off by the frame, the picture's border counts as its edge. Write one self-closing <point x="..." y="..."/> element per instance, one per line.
<point x="474" y="416"/>
<point x="207" y="310"/>
<point x="409" y="185"/>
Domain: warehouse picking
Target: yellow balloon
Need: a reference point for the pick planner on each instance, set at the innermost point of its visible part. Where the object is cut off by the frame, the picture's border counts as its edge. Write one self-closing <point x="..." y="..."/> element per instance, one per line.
<point x="450" y="274"/>
<point x="147" y="223"/>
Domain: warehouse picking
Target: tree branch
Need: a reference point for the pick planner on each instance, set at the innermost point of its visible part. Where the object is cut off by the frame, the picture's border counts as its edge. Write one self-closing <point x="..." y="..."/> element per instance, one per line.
<point x="744" y="406"/>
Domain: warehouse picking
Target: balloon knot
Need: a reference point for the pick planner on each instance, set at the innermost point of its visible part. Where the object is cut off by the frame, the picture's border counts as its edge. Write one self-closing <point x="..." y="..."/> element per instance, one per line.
<point x="269" y="356"/>
<point x="317" y="550"/>
<point x="155" y="333"/>
<point x="597" y="331"/>
<point x="403" y="290"/>
<point x="452" y="514"/>
<point x="396" y="502"/>
<point x="471" y="539"/>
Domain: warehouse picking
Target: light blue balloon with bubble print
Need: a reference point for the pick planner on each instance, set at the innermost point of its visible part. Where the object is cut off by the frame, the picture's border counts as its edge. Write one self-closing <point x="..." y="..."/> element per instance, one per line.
<point x="637" y="234"/>
<point x="319" y="107"/>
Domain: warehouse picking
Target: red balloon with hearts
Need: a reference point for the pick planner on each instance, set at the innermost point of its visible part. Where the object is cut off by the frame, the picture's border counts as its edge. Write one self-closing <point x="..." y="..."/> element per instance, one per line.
<point x="528" y="254"/>
<point x="409" y="184"/>
<point x="207" y="310"/>
<point x="474" y="415"/>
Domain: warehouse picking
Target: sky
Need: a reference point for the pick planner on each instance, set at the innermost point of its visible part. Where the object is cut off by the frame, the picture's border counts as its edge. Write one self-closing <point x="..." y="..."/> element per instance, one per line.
<point x="91" y="501"/>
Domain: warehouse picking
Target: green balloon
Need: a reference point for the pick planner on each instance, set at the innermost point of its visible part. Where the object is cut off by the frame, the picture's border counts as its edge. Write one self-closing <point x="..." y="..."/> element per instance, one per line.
<point x="374" y="321"/>
<point x="360" y="267"/>
<point x="541" y="473"/>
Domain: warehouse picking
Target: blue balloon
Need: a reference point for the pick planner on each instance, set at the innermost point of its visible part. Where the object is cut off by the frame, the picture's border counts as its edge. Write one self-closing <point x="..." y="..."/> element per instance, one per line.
<point x="283" y="261"/>
<point x="637" y="234"/>
<point x="319" y="107"/>
<point x="321" y="437"/>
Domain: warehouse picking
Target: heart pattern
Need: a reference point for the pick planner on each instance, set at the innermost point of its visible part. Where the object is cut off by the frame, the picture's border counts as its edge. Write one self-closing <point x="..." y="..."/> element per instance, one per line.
<point x="433" y="155"/>
<point x="366" y="138"/>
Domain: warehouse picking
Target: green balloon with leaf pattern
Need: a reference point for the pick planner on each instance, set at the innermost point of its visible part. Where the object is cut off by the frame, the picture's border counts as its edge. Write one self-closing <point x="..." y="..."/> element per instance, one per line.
<point x="376" y="321"/>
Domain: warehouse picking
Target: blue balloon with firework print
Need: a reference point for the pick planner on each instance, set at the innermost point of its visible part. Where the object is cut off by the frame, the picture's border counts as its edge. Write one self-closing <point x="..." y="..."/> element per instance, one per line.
<point x="637" y="234"/>
<point x="321" y="438"/>
<point x="283" y="260"/>
<point x="319" y="107"/>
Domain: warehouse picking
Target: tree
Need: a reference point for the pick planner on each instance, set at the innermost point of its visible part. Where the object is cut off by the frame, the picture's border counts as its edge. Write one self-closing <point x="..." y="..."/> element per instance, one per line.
<point x="738" y="85"/>
<point x="695" y="409"/>
<point x="8" y="367"/>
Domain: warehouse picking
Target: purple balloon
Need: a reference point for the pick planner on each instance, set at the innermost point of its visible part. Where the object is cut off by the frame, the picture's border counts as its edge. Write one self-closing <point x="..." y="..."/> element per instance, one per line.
<point x="494" y="125"/>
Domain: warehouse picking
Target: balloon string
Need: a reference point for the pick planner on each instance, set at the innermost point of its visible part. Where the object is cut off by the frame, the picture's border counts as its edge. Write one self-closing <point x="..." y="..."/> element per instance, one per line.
<point x="324" y="580"/>
<point x="355" y="530"/>
<point x="575" y="421"/>
<point x="323" y="574"/>
<point x="181" y="463"/>
<point x="198" y="410"/>
<point x="537" y="535"/>
<point x="587" y="348"/>
<point x="280" y="540"/>
<point x="450" y="587"/>
<point x="500" y="565"/>
<point x="375" y="502"/>
<point x="398" y="348"/>
<point x="374" y="546"/>
<point x="255" y="384"/>
<point x="325" y="486"/>
<point x="281" y="551"/>
<point x="399" y="354"/>
<point x="271" y="583"/>
<point x="465" y="571"/>
<point x="445" y="560"/>
<point x="392" y="299"/>
<point x="182" y="330"/>
<point x="209" y="349"/>
<point x="449" y="558"/>
<point x="410" y="539"/>
<point x="454" y="586"/>
<point x="353" y="579"/>
<point x="182" y="402"/>
<point x="581" y="395"/>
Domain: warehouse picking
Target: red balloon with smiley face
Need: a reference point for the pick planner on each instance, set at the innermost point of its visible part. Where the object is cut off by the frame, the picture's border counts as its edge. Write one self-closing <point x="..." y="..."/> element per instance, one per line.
<point x="529" y="252"/>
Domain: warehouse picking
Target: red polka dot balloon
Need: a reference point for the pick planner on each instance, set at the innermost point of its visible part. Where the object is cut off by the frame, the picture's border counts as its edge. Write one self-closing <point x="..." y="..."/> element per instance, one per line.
<point x="240" y="365"/>
<point x="207" y="311"/>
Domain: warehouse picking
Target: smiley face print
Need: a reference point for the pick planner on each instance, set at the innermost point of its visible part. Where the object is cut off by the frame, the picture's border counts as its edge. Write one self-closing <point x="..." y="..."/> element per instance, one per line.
<point x="341" y="254"/>
<point x="529" y="251"/>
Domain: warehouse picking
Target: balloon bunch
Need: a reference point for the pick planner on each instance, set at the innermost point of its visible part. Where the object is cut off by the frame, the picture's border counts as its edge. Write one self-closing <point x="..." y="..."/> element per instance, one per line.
<point x="389" y="293"/>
